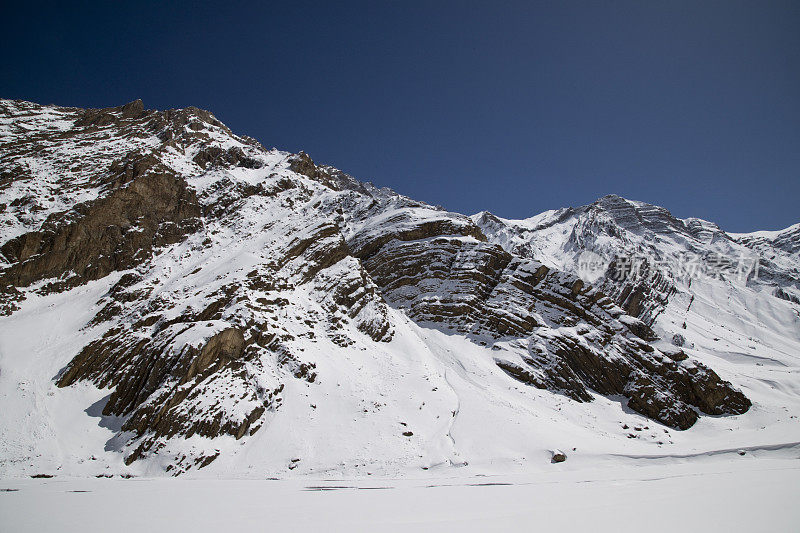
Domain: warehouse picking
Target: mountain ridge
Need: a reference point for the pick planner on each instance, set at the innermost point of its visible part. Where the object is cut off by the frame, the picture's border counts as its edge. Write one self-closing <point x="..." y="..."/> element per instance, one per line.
<point x="235" y="281"/>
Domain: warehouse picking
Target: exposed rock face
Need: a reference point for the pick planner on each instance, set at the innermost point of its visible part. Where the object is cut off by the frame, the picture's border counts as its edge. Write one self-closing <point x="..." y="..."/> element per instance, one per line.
<point x="149" y="207"/>
<point x="222" y="348"/>
<point x="231" y="259"/>
<point x="166" y="392"/>
<point x="171" y="379"/>
<point x="779" y="266"/>
<point x="579" y="340"/>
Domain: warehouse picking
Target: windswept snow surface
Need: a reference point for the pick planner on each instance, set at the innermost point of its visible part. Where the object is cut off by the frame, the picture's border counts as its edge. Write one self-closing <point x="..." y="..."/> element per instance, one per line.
<point x="755" y="492"/>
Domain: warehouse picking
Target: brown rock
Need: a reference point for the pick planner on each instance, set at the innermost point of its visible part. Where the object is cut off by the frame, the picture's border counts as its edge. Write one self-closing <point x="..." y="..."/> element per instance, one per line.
<point x="220" y="349"/>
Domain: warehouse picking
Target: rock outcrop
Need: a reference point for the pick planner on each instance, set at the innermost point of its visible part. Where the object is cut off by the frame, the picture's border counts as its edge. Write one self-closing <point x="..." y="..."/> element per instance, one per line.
<point x="442" y="272"/>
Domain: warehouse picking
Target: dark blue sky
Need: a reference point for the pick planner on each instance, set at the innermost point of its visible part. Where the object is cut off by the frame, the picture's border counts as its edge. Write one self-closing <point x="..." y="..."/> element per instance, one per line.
<point x="514" y="107"/>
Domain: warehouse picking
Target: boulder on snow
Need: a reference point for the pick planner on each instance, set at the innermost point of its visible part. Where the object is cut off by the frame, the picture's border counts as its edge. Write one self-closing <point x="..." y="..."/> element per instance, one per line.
<point x="558" y="457"/>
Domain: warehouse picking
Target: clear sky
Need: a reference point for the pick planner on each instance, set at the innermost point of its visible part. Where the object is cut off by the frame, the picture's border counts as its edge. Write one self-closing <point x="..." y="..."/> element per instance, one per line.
<point x="512" y="107"/>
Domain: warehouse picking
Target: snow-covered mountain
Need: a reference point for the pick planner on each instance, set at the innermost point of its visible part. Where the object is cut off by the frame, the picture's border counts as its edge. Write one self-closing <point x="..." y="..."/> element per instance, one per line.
<point x="178" y="298"/>
<point x="661" y="252"/>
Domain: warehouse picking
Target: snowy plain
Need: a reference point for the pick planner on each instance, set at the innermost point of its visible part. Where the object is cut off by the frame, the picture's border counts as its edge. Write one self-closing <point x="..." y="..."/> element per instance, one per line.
<point x="755" y="492"/>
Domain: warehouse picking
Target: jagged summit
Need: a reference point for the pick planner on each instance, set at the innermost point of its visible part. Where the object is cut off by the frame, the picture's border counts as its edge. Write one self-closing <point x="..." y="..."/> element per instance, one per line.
<point x="223" y="306"/>
<point x="631" y="215"/>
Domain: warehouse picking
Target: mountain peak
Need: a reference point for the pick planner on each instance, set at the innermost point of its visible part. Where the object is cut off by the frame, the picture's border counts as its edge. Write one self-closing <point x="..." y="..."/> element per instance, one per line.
<point x="611" y="198"/>
<point x="133" y="109"/>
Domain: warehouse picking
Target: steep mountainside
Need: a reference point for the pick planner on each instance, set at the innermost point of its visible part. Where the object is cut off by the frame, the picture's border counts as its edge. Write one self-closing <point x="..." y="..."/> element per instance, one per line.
<point x="177" y="297"/>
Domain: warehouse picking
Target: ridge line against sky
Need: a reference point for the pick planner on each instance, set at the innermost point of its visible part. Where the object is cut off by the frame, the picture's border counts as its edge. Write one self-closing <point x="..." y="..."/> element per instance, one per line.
<point x="514" y="109"/>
